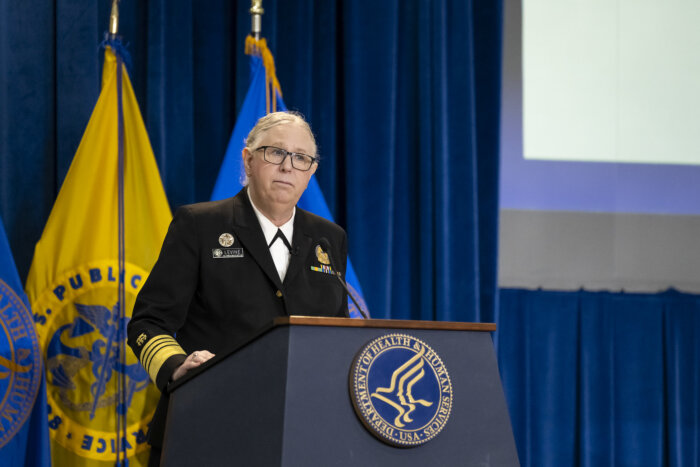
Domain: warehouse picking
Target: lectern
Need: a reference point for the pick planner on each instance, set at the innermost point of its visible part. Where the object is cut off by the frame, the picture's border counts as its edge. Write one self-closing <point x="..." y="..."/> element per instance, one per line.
<point x="285" y="398"/>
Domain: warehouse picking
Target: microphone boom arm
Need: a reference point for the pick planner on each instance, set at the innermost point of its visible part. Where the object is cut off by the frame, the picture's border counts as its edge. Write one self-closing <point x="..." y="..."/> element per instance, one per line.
<point x="325" y="245"/>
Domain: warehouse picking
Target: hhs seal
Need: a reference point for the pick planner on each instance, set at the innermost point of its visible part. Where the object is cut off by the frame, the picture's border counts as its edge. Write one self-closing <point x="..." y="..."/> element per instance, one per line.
<point x="20" y="363"/>
<point x="401" y="390"/>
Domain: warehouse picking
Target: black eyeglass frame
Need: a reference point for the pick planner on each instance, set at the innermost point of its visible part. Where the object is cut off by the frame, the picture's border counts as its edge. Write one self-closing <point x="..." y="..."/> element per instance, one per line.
<point x="288" y="154"/>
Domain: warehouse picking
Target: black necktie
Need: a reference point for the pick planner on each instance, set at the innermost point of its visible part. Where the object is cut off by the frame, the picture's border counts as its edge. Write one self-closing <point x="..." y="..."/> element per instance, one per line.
<point x="279" y="234"/>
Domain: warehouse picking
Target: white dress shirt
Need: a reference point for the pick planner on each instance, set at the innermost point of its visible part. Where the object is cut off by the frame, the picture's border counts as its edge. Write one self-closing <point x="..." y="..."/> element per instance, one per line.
<point x="279" y="251"/>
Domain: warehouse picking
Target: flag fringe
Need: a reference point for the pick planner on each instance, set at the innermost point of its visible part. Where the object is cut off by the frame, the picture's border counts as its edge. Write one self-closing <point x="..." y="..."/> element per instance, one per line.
<point x="258" y="48"/>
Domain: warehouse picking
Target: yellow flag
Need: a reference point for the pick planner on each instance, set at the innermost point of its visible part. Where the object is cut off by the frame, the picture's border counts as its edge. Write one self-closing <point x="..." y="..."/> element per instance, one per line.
<point x="74" y="284"/>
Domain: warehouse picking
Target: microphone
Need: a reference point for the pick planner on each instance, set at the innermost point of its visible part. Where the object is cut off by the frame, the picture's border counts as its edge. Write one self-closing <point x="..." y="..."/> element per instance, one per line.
<point x="326" y="247"/>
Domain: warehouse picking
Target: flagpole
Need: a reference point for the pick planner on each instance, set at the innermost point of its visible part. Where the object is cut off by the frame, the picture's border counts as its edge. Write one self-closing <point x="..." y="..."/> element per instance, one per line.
<point x="121" y="300"/>
<point x="256" y="12"/>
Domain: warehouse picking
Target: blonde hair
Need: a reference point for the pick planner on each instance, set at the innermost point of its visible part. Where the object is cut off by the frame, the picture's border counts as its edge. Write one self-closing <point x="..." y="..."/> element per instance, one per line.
<point x="272" y="120"/>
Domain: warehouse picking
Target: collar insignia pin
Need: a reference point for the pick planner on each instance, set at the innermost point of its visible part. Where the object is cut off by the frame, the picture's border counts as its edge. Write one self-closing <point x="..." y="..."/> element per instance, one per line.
<point x="226" y="239"/>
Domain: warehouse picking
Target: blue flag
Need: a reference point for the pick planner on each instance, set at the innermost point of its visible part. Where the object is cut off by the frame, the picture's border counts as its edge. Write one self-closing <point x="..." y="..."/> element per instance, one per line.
<point x="255" y="106"/>
<point x="24" y="430"/>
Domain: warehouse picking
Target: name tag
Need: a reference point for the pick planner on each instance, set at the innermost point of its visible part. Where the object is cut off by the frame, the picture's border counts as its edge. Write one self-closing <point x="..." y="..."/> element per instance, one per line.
<point x="224" y="253"/>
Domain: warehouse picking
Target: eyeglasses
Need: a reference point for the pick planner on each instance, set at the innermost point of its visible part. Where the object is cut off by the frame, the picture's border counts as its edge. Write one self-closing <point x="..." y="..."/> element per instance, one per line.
<point x="275" y="155"/>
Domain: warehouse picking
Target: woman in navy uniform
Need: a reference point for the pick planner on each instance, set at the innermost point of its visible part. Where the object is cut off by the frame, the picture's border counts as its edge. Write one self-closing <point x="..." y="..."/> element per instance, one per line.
<point x="227" y="268"/>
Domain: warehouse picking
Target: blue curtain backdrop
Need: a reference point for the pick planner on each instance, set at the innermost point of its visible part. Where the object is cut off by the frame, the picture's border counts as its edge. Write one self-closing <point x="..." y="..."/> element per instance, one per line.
<point x="602" y="379"/>
<point x="404" y="98"/>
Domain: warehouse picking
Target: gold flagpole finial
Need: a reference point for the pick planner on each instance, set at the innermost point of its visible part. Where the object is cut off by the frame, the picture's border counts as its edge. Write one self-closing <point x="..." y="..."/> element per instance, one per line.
<point x="256" y="12"/>
<point x="114" y="18"/>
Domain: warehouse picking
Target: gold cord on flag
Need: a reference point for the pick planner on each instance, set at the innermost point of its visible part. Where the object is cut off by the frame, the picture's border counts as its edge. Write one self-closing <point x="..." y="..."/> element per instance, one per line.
<point x="258" y="48"/>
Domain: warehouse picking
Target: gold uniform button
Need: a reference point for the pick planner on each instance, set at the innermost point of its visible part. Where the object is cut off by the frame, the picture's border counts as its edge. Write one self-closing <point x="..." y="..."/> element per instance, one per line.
<point x="279" y="294"/>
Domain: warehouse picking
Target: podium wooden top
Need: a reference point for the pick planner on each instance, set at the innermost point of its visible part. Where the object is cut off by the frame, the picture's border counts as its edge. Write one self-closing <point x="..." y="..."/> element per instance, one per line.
<point x="337" y="322"/>
<point x="382" y="323"/>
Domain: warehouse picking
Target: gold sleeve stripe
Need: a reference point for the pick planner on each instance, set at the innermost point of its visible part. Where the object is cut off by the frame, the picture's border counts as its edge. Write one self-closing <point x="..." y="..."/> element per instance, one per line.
<point x="161" y="357"/>
<point x="169" y="347"/>
<point x="154" y="346"/>
<point x="156" y="351"/>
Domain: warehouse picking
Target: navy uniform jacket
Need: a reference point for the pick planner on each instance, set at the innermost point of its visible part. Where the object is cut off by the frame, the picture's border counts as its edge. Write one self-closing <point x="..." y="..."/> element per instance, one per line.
<point x="213" y="297"/>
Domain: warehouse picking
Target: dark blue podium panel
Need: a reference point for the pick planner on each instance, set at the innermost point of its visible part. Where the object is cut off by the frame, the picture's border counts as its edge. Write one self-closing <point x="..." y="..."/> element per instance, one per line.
<point x="283" y="400"/>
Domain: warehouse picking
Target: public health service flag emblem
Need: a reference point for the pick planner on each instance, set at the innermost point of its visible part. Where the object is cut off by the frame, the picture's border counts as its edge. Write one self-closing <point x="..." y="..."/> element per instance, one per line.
<point x="401" y="390"/>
